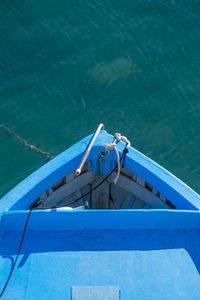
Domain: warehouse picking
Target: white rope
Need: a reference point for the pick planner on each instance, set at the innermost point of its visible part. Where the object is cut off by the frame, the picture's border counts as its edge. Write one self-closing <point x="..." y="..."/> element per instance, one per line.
<point x="118" y="137"/>
<point x="122" y="138"/>
<point x="118" y="166"/>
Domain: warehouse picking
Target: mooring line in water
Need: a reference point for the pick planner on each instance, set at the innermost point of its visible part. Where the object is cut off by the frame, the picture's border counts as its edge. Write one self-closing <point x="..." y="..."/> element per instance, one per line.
<point x="25" y="143"/>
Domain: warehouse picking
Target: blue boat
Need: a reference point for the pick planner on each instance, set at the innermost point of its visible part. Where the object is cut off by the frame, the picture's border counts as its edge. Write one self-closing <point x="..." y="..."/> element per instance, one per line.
<point x="100" y="221"/>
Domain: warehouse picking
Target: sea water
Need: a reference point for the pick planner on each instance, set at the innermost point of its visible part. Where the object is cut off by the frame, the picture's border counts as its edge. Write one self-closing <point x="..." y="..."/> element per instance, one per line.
<point x="66" y="66"/>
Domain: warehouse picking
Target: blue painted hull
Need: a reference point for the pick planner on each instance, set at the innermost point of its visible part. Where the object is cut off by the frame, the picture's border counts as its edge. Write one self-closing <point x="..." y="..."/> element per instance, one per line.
<point x="139" y="254"/>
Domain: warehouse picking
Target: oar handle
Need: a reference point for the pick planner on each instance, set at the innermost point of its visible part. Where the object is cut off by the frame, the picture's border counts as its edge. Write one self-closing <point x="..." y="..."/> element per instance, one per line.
<point x="87" y="152"/>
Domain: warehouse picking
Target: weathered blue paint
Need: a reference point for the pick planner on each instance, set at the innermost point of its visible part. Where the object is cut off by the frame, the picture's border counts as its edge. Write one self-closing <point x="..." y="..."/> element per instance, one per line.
<point x="142" y="254"/>
<point x="33" y="186"/>
<point x="95" y="292"/>
<point x="101" y="220"/>
<point x="151" y="262"/>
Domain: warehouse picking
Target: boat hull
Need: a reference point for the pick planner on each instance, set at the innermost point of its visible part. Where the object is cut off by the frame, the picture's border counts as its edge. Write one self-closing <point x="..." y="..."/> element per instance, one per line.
<point x="101" y="254"/>
<point x="137" y="254"/>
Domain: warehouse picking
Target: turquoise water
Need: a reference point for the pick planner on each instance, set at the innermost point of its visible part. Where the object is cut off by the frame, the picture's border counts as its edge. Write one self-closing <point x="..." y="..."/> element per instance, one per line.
<point x="68" y="65"/>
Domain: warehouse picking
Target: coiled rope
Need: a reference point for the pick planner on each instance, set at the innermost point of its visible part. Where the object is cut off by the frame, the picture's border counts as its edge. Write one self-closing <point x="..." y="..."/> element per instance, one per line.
<point x="25" y="143"/>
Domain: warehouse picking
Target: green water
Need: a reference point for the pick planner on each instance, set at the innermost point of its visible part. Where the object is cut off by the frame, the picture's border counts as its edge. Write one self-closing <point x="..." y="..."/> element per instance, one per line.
<point x="66" y="66"/>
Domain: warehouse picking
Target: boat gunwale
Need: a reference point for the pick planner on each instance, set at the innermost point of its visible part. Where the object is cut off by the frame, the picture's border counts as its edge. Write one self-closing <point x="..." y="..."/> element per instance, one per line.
<point x="181" y="195"/>
<point x="127" y="219"/>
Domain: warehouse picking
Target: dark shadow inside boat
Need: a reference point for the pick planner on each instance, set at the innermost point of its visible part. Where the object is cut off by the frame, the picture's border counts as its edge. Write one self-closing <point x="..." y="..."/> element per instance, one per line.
<point x="89" y="191"/>
<point x="65" y="242"/>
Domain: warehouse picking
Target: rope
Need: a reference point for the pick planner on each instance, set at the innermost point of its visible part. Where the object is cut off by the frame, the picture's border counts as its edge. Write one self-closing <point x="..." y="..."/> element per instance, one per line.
<point x="118" y="165"/>
<point x="84" y="195"/>
<point x="123" y="161"/>
<point x="44" y="208"/>
<point x="25" y="143"/>
<point x="111" y="147"/>
<point x="18" y="252"/>
<point x="118" y="137"/>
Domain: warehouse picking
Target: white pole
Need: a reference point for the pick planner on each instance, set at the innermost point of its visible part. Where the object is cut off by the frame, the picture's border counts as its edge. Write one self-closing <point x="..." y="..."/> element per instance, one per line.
<point x="87" y="152"/>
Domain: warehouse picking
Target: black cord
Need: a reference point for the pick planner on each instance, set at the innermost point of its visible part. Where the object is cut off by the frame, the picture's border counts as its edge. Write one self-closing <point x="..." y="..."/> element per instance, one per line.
<point x="125" y="151"/>
<point x="18" y="252"/>
<point x="43" y="208"/>
<point x="84" y="195"/>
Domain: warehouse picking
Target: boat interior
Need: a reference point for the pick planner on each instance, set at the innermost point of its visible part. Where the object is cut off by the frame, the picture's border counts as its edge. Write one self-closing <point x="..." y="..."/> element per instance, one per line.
<point x="87" y="191"/>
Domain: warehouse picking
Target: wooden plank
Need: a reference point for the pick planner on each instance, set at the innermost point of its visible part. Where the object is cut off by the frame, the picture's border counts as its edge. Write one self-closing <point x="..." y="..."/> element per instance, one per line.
<point x="100" y="196"/>
<point x="69" y="188"/>
<point x="140" y="192"/>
